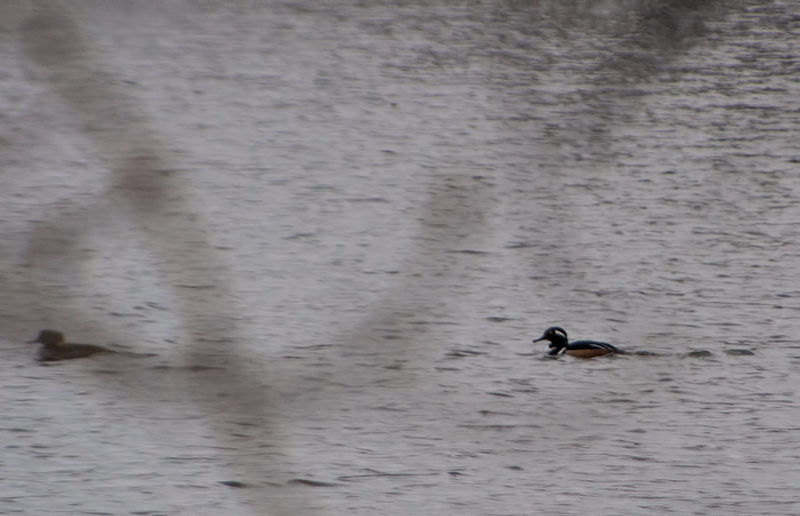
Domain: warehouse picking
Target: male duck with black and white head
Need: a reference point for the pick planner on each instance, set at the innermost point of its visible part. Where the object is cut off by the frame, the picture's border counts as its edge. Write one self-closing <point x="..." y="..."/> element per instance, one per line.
<point x="559" y="343"/>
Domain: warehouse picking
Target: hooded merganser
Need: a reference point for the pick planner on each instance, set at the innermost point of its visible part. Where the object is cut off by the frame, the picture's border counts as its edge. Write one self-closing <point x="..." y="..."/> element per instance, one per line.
<point x="580" y="348"/>
<point x="55" y="347"/>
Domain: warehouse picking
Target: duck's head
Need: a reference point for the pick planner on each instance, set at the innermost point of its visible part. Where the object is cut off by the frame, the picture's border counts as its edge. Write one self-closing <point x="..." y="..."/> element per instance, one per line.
<point x="557" y="337"/>
<point x="49" y="338"/>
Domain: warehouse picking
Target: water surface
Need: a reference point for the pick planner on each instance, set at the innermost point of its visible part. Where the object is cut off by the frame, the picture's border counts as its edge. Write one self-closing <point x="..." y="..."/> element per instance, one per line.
<point x="340" y="226"/>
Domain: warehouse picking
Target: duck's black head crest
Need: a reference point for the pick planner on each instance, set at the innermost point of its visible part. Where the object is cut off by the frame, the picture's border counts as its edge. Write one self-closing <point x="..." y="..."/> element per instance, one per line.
<point x="555" y="334"/>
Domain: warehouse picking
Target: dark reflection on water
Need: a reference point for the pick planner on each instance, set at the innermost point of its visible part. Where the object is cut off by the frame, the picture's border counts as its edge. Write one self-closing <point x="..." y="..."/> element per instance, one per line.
<point x="340" y="225"/>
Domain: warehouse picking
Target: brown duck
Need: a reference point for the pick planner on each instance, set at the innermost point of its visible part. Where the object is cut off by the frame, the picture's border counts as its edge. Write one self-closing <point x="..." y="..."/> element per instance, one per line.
<point x="55" y="347"/>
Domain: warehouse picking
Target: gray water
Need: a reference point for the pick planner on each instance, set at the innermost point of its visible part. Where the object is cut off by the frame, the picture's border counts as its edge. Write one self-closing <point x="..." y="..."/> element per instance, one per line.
<point x="340" y="224"/>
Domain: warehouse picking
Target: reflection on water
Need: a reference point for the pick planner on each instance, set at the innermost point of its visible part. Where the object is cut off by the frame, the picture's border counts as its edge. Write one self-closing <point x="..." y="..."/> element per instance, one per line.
<point x="340" y="227"/>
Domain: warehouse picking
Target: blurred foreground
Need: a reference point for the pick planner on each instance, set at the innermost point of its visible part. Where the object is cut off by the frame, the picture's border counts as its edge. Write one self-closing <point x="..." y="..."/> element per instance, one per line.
<point x="340" y="224"/>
